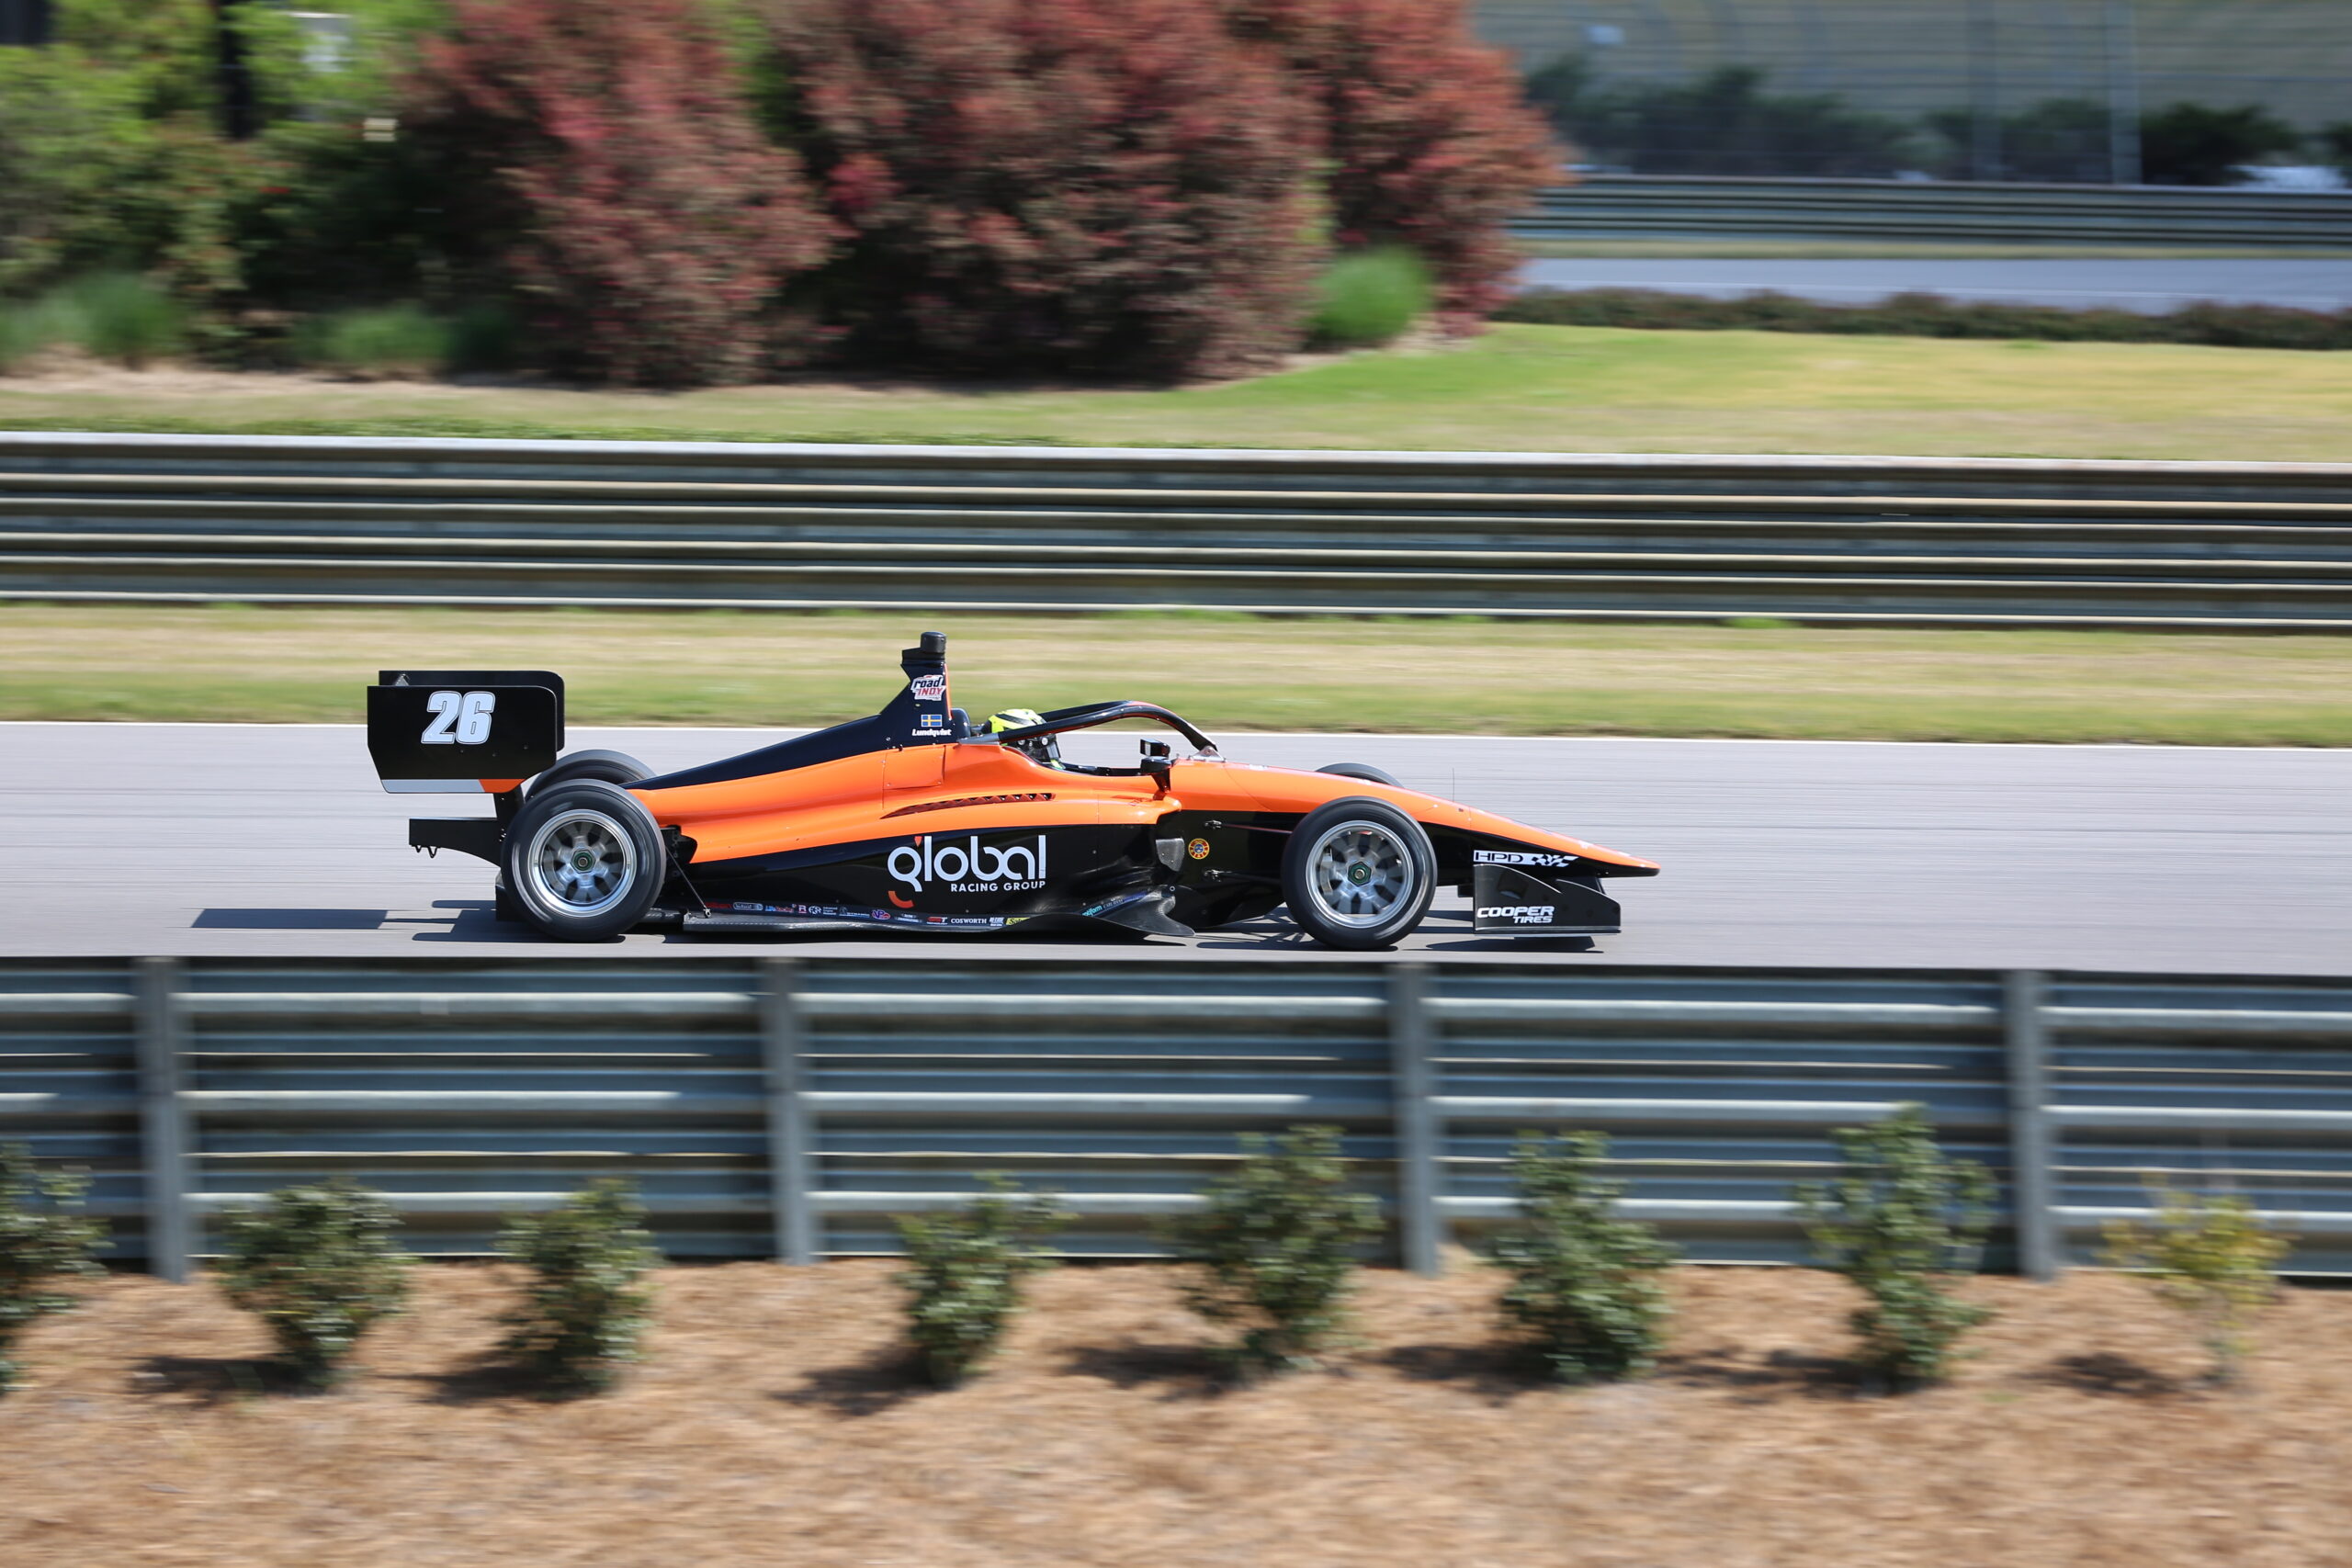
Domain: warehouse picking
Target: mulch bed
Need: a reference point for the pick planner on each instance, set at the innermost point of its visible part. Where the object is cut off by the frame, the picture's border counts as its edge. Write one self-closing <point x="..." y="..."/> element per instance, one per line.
<point x="778" y="1422"/>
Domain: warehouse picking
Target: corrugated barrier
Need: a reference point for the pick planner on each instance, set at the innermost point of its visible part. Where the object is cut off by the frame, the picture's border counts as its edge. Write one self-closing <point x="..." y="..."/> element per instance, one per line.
<point x="1703" y="207"/>
<point x="650" y="525"/>
<point x="789" y="1107"/>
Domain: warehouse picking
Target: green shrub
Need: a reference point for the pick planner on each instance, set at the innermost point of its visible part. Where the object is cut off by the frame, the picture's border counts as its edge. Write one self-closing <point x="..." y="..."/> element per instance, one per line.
<point x="963" y="1274"/>
<point x="1584" y="1281"/>
<point x="2212" y="1257"/>
<point x="1897" y="1220"/>
<point x="26" y="328"/>
<point x="1370" y="298"/>
<point x="392" y="340"/>
<point x="122" y="317"/>
<point x="1275" y="1247"/>
<point x="319" y="1265"/>
<point x="42" y="1240"/>
<point x="1930" y="315"/>
<point x="586" y="1304"/>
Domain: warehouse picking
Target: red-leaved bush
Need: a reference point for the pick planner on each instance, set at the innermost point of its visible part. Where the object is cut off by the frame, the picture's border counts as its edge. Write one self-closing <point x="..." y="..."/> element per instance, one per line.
<point x="1098" y="186"/>
<point x="1429" y="140"/>
<point x="602" y="159"/>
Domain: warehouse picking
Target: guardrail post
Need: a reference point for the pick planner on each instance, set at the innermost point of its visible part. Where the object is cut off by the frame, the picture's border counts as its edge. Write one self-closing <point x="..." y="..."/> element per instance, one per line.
<point x="1421" y="1226"/>
<point x="792" y="1132"/>
<point x="161" y="1029"/>
<point x="2029" y="1150"/>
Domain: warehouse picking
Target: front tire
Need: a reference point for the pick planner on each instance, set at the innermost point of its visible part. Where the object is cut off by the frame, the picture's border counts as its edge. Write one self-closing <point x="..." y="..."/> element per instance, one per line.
<point x="583" y="859"/>
<point x="1363" y="771"/>
<point x="1358" y="874"/>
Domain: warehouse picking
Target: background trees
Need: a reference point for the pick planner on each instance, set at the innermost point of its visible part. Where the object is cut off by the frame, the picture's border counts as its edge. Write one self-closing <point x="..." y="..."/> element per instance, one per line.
<point x="1095" y="185"/>
<point x="601" y="167"/>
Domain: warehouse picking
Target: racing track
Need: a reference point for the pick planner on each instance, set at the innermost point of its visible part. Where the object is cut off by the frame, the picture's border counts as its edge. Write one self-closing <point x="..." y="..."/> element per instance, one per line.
<point x="274" y="840"/>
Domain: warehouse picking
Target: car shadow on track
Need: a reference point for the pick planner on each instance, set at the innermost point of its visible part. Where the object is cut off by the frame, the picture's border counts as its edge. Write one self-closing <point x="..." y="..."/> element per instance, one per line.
<point x="291" y="919"/>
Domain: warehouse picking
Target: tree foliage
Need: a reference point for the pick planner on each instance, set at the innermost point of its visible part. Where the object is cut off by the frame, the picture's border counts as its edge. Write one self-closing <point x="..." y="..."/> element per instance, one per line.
<point x="110" y="157"/>
<point x="1426" y="136"/>
<point x="964" y="1273"/>
<point x="319" y="1265"/>
<point x="600" y="159"/>
<point x="1274" y="1246"/>
<point x="1092" y="186"/>
<point x="43" y="1240"/>
<point x="2211" y="1255"/>
<point x="1584" y="1282"/>
<point x="1897" y="1221"/>
<point x="1723" y="122"/>
<point x="2204" y="144"/>
<point x="587" y="1303"/>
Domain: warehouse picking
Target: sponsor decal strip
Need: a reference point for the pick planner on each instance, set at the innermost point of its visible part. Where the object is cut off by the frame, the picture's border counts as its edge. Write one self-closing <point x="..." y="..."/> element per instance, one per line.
<point x="970" y="866"/>
<point x="1521" y="857"/>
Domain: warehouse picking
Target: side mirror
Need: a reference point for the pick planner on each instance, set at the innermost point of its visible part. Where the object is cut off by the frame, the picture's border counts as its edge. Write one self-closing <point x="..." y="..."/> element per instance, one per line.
<point x="1157" y="756"/>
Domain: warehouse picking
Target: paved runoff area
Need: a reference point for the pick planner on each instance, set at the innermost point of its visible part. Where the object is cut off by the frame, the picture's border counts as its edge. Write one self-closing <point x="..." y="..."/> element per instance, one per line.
<point x="2153" y="285"/>
<point x="276" y="840"/>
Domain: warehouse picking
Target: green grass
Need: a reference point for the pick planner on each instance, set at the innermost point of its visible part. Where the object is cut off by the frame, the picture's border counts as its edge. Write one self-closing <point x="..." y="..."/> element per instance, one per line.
<point x="1518" y="389"/>
<point x="389" y="339"/>
<point x="1760" y="680"/>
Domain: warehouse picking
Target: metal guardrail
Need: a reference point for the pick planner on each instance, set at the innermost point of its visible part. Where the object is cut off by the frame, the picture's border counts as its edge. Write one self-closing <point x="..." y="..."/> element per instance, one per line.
<point x="1659" y="207"/>
<point x="788" y="1108"/>
<point x="674" y="525"/>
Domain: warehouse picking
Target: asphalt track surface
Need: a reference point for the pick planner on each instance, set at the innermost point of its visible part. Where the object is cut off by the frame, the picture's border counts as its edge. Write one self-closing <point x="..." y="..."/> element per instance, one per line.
<point x="276" y="840"/>
<point x="2152" y="285"/>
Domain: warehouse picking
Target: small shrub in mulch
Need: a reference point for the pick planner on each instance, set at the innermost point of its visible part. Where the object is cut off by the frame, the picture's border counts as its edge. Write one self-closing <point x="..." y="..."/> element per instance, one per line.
<point x="2211" y="1255"/>
<point x="587" y="1305"/>
<point x="1899" y="1220"/>
<point x="43" y="1240"/>
<point x="1584" y="1282"/>
<point x="1274" y="1246"/>
<point x="319" y="1265"/>
<point x="964" y="1273"/>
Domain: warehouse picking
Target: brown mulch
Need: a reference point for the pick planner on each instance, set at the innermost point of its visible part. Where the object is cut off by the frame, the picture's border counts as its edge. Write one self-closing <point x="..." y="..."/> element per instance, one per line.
<point x="775" y="1422"/>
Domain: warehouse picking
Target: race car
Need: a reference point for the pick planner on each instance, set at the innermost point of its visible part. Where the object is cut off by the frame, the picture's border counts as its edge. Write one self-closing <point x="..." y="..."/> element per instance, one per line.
<point x="917" y="820"/>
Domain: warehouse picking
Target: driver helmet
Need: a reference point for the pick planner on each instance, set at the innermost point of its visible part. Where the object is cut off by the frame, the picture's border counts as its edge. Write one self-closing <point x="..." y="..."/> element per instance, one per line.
<point x="1042" y="749"/>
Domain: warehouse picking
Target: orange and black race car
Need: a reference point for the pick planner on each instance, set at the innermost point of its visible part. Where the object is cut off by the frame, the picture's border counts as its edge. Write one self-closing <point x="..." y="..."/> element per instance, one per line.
<point x="918" y="820"/>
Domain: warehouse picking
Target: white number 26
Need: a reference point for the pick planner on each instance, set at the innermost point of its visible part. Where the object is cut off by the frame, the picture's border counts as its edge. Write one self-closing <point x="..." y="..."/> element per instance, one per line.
<point x="459" y="718"/>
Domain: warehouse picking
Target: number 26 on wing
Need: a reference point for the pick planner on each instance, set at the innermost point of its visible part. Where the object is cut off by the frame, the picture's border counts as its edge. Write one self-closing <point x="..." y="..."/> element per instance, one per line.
<point x="459" y="718"/>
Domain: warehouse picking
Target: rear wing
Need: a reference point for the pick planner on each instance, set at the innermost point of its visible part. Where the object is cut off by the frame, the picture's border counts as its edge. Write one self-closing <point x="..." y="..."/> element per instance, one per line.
<point x="463" y="731"/>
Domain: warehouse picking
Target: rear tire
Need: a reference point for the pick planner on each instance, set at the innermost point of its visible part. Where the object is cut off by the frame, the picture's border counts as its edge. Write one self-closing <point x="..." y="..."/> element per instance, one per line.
<point x="1358" y="874"/>
<point x="583" y="859"/>
<point x="611" y="767"/>
<point x="1363" y="771"/>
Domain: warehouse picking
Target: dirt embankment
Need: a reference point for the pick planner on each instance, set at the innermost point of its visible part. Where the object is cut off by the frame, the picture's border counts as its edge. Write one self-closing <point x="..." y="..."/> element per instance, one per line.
<point x="775" y="1423"/>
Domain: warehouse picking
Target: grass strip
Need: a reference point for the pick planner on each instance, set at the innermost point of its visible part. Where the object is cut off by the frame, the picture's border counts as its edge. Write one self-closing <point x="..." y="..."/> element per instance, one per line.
<point x="1519" y="388"/>
<point x="230" y="662"/>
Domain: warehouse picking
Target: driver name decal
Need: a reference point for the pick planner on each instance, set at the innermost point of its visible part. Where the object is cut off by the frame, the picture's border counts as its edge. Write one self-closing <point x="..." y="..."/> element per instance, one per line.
<point x="970" y="866"/>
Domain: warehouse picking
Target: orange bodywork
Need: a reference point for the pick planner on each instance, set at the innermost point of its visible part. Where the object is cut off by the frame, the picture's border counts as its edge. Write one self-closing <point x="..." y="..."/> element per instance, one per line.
<point x="981" y="786"/>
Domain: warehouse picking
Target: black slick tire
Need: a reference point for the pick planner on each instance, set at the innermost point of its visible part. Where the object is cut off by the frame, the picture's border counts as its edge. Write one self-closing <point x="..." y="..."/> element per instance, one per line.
<point x="583" y="860"/>
<point x="1363" y="771"/>
<point x="1358" y="874"/>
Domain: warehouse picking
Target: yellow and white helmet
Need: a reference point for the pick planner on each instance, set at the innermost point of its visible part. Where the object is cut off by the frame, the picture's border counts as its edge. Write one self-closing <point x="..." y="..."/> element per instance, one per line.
<point x="1043" y="748"/>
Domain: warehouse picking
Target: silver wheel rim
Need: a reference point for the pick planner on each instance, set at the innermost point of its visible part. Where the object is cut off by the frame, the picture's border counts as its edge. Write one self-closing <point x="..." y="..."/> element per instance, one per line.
<point x="582" y="862"/>
<point x="1361" y="874"/>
